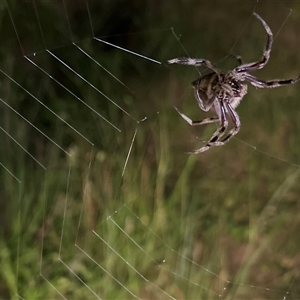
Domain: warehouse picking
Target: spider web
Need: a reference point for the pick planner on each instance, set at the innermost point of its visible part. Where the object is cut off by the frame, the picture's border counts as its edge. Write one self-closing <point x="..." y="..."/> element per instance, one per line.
<point x="100" y="199"/>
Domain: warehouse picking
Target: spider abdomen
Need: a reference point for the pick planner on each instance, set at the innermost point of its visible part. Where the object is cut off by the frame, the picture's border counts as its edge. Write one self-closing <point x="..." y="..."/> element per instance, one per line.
<point x="205" y="90"/>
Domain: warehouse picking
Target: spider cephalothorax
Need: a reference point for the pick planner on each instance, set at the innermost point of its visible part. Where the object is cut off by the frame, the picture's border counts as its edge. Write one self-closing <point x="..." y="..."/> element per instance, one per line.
<point x="223" y="92"/>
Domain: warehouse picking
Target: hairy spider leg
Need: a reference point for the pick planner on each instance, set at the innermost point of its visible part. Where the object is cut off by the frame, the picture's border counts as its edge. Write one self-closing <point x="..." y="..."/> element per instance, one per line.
<point x="197" y="62"/>
<point x="270" y="83"/>
<point x="266" y="55"/>
<point x="238" y="58"/>
<point x="219" y="132"/>
<point x="223" y="121"/>
<point x="236" y="123"/>
<point x="197" y="123"/>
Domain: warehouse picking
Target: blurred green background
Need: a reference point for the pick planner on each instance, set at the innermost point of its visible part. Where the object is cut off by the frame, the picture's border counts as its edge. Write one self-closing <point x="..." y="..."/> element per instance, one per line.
<point x="90" y="210"/>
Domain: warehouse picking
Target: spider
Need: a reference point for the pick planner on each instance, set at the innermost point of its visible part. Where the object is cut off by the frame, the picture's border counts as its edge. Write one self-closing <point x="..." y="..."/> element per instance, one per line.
<point x="222" y="92"/>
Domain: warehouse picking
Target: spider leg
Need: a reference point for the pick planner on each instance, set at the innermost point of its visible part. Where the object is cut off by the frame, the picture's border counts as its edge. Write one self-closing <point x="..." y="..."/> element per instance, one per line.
<point x="236" y="123"/>
<point x="270" y="83"/>
<point x="214" y="140"/>
<point x="266" y="55"/>
<point x="194" y="62"/>
<point x="238" y="58"/>
<point x="196" y="123"/>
